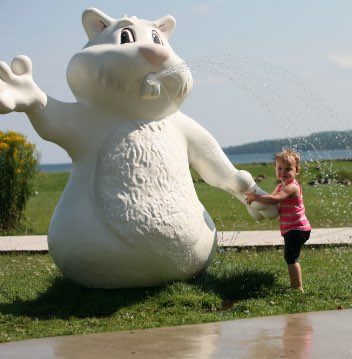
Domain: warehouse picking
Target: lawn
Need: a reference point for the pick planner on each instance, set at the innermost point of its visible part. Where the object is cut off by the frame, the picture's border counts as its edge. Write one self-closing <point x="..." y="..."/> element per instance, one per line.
<point x="36" y="301"/>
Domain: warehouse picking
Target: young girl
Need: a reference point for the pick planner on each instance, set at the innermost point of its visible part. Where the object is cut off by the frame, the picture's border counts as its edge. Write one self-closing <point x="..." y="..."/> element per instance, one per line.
<point x="294" y="225"/>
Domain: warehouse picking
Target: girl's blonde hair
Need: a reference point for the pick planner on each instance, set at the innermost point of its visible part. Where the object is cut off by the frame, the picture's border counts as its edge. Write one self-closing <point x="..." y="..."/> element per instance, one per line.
<point x="288" y="153"/>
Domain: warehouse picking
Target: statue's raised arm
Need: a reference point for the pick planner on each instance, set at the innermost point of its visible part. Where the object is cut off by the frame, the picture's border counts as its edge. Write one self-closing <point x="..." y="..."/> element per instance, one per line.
<point x="209" y="160"/>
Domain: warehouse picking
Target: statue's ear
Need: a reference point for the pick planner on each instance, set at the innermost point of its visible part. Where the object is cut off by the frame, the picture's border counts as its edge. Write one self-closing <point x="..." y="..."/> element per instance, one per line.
<point x="166" y="25"/>
<point x="94" y="22"/>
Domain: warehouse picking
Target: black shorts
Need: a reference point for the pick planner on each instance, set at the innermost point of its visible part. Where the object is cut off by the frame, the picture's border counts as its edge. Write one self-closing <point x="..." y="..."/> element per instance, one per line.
<point x="294" y="241"/>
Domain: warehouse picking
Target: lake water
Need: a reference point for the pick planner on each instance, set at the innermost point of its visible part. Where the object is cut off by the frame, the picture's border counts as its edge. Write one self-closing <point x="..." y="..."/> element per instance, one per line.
<point x="55" y="167"/>
<point x="265" y="157"/>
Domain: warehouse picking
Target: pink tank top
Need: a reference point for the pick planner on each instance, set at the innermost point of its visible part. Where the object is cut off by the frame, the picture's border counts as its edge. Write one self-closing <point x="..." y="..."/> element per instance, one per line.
<point x="292" y="212"/>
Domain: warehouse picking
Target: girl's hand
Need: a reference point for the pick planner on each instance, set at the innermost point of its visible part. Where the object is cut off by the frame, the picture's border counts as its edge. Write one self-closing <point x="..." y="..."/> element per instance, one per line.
<point x="250" y="197"/>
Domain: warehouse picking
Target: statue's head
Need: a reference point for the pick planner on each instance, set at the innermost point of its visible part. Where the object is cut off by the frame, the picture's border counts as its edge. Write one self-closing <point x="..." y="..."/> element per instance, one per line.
<point x="128" y="67"/>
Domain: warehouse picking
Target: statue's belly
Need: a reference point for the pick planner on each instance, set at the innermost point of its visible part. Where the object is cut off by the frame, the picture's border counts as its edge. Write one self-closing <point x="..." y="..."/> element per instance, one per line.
<point x="143" y="185"/>
<point x="134" y="219"/>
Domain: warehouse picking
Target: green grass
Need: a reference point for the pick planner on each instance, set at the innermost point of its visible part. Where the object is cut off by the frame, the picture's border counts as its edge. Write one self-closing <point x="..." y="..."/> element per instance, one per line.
<point x="40" y="207"/>
<point x="327" y="205"/>
<point x="36" y="301"/>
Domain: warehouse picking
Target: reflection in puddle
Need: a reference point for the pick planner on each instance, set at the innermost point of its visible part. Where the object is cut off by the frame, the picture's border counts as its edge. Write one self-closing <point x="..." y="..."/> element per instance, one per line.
<point x="297" y="337"/>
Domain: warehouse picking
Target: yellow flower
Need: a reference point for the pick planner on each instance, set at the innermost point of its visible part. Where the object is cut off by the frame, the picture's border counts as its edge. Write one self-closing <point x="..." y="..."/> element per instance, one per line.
<point x="28" y="146"/>
<point x="12" y="137"/>
<point x="3" y="146"/>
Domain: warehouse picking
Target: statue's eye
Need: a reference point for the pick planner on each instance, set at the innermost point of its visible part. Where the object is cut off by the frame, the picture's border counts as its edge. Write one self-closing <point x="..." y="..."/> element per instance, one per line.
<point x="156" y="38"/>
<point x="127" y="36"/>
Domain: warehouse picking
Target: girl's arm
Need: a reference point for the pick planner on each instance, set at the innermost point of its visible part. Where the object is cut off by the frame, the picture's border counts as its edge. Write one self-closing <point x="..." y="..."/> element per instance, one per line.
<point x="274" y="198"/>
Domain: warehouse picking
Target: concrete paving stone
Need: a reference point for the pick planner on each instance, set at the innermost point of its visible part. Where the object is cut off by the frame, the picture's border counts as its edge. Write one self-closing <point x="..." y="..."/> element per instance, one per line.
<point x="319" y="236"/>
<point x="23" y="243"/>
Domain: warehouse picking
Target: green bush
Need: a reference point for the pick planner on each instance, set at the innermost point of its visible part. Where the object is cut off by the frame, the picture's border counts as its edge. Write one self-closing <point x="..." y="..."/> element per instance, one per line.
<point x="18" y="168"/>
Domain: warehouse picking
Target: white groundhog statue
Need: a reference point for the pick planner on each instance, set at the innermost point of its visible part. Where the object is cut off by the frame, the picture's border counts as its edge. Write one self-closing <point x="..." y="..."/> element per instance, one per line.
<point x="129" y="215"/>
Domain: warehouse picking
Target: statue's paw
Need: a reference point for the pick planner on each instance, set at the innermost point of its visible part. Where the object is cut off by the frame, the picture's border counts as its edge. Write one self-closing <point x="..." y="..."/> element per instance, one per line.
<point x="7" y="102"/>
<point x="255" y="214"/>
<point x="260" y="209"/>
<point x="270" y="212"/>
<point x="265" y="211"/>
<point x="21" y="65"/>
<point x="17" y="88"/>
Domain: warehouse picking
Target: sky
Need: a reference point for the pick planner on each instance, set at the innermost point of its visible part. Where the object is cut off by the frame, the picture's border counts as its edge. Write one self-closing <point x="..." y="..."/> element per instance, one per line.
<point x="262" y="69"/>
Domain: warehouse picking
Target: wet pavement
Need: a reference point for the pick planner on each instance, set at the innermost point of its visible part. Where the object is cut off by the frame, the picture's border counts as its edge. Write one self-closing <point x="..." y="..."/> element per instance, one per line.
<point x="319" y="335"/>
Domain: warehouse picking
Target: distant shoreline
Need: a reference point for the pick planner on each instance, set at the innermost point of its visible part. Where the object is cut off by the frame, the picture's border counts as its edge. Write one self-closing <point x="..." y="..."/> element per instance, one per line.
<point x="266" y="157"/>
<point x="319" y="141"/>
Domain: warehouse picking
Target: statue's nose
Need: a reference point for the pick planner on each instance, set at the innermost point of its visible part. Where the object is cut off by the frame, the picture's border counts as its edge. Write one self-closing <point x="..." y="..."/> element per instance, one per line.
<point x="155" y="55"/>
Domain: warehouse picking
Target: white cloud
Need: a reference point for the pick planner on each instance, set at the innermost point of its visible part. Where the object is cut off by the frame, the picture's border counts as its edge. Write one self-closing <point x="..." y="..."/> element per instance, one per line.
<point x="342" y="61"/>
<point x="201" y="9"/>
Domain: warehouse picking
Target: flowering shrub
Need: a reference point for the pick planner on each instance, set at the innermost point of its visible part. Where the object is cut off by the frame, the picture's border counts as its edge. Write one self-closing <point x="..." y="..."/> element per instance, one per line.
<point x="18" y="167"/>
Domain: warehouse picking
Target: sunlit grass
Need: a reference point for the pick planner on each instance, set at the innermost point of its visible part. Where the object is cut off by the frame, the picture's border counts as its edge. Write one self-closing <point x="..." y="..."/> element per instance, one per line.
<point x="36" y="301"/>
